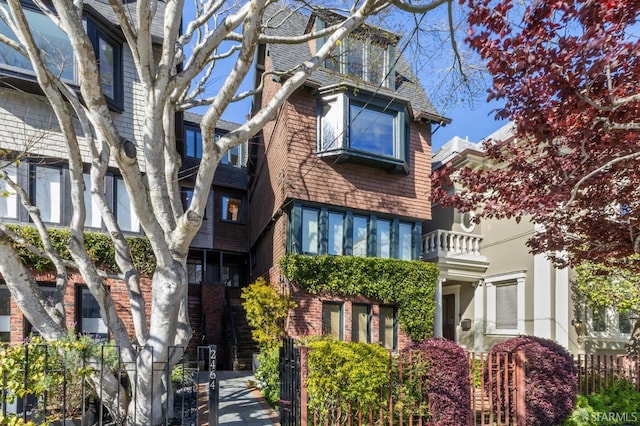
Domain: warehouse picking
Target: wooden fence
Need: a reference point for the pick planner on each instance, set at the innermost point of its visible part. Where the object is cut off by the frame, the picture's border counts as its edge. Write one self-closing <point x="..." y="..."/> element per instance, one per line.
<point x="597" y="372"/>
<point x="496" y="385"/>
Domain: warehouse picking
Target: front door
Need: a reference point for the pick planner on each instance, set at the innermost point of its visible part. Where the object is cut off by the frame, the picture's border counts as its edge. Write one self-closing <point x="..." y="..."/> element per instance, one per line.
<point x="449" y="316"/>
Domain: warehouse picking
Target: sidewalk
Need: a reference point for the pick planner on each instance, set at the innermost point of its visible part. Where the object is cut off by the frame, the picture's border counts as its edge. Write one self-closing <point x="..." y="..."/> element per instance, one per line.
<point x="239" y="404"/>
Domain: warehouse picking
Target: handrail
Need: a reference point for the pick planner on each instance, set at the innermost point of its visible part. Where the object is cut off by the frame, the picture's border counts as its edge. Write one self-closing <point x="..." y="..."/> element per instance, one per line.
<point x="441" y="242"/>
<point x="233" y="349"/>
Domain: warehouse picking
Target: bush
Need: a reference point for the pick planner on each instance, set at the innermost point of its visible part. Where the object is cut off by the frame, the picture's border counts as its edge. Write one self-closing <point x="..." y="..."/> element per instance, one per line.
<point x="446" y="380"/>
<point x="344" y="375"/>
<point x="614" y="405"/>
<point x="551" y="378"/>
<point x="267" y="374"/>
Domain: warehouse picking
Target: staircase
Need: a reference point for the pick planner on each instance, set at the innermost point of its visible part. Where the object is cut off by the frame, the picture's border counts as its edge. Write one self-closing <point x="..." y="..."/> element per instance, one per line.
<point x="241" y="345"/>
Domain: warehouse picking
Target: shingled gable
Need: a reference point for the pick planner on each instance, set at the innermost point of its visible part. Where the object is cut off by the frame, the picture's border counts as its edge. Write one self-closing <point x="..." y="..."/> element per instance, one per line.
<point x="285" y="58"/>
<point x="102" y="10"/>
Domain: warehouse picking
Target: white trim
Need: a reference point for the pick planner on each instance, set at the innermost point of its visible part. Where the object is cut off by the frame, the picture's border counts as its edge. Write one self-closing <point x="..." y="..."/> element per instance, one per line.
<point x="542" y="296"/>
<point x="437" y="322"/>
<point x="562" y="307"/>
<point x="478" y="317"/>
<point x="517" y="278"/>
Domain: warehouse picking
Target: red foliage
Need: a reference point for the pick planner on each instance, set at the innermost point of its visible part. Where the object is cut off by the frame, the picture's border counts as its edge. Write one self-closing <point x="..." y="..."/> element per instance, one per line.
<point x="568" y="73"/>
<point x="447" y="378"/>
<point x="551" y="378"/>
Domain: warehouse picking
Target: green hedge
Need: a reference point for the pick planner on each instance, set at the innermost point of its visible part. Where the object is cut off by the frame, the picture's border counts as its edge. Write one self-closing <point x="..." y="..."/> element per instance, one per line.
<point x="98" y="245"/>
<point x="408" y="284"/>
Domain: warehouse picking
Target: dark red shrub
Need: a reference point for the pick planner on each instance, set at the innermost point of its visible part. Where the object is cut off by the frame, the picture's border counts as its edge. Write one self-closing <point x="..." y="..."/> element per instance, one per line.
<point x="551" y="384"/>
<point x="447" y="381"/>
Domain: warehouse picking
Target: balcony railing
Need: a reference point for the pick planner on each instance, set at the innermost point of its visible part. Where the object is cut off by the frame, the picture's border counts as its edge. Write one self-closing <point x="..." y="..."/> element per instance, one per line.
<point x="442" y="243"/>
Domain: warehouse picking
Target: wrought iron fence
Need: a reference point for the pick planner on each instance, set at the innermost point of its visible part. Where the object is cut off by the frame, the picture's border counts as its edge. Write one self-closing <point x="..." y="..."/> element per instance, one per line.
<point x="48" y="384"/>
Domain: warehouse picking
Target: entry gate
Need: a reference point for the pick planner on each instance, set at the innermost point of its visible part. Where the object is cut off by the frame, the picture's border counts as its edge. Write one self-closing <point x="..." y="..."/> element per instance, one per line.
<point x="289" y="370"/>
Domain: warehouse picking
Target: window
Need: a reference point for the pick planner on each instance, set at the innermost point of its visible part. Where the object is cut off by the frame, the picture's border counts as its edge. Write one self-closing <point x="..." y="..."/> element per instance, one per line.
<point x="194" y="271"/>
<point x="234" y="157"/>
<point x="125" y="214"/>
<point x="5" y="314"/>
<point x="8" y="198"/>
<point x="93" y="218"/>
<point x="332" y="320"/>
<point x="364" y="59"/>
<point x="54" y="45"/>
<point x="360" y="233"/>
<point x="360" y="323"/>
<point x="108" y="53"/>
<point x="309" y="231"/>
<point x="363" y="129"/>
<point x="48" y="193"/>
<point x="320" y="231"/>
<point x="90" y="320"/>
<point x="387" y="325"/>
<point x="192" y="142"/>
<point x="231" y="209"/>
<point x="336" y="233"/>
<point x="505" y="304"/>
<point x="405" y="241"/>
<point x="383" y="234"/>
<point x="609" y="322"/>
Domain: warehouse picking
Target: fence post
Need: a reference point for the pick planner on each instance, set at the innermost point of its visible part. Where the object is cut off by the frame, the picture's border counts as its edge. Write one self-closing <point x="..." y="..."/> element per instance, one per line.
<point x="303" y="386"/>
<point x="213" y="387"/>
<point x="521" y="407"/>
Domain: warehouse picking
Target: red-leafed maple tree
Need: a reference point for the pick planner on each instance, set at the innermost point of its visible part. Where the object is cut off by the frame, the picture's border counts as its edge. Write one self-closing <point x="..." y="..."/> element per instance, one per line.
<point x="569" y="75"/>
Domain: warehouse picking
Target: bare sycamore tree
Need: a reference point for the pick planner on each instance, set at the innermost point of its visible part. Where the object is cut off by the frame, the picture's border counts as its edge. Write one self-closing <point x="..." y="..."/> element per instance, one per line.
<point x="172" y="74"/>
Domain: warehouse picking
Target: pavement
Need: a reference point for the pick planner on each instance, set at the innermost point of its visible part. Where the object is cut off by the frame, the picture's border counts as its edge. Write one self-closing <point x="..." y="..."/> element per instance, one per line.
<point x="239" y="403"/>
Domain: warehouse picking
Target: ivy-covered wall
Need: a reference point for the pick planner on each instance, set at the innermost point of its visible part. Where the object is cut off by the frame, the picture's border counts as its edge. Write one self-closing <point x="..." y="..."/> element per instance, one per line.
<point x="98" y="245"/>
<point x="410" y="285"/>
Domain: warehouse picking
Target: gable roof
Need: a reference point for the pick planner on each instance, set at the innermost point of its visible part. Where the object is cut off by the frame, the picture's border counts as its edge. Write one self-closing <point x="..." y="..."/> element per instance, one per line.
<point x="286" y="57"/>
<point x="101" y="8"/>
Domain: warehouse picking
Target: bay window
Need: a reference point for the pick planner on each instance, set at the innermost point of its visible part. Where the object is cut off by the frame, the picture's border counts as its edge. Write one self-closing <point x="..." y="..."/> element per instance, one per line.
<point x="363" y="129"/>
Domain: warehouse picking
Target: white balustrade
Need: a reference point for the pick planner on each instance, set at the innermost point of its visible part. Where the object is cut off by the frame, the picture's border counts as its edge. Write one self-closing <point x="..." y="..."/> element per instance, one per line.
<point x="442" y="243"/>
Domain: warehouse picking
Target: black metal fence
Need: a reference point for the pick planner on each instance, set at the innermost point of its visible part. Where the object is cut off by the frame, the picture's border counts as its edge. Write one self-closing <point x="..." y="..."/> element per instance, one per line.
<point x="48" y="383"/>
<point x="289" y="384"/>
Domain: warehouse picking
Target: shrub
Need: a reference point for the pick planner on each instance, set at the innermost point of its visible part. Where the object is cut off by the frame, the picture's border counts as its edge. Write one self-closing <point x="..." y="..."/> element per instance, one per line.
<point x="616" y="404"/>
<point x="266" y="312"/>
<point x="551" y="383"/>
<point x="267" y="374"/>
<point x="446" y="379"/>
<point x="344" y="375"/>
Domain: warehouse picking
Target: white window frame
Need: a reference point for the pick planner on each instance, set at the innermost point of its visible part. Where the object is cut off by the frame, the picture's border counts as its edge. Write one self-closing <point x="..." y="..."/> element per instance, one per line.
<point x="122" y="199"/>
<point x="612" y="326"/>
<point x="517" y="278"/>
<point x="9" y="198"/>
<point x="53" y="193"/>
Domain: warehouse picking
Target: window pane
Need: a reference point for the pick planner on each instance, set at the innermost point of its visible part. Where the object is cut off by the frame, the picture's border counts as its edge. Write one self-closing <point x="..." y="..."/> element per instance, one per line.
<point x="624" y="322"/>
<point x="54" y="47"/>
<point x="194" y="271"/>
<point x="336" y="233"/>
<point x="193" y="143"/>
<point x="330" y="126"/>
<point x="371" y="130"/>
<point x="331" y="320"/>
<point x="405" y="240"/>
<point x="600" y="320"/>
<point x="309" y="231"/>
<point x="8" y="198"/>
<point x="233" y="157"/>
<point x="91" y="320"/>
<point x="383" y="247"/>
<point x="126" y="216"/>
<point x="106" y="61"/>
<point x="507" y="306"/>
<point x="360" y="232"/>
<point x="93" y="217"/>
<point x="48" y="193"/>
<point x="387" y="327"/>
<point x="360" y="323"/>
<point x="355" y="57"/>
<point x="376" y="63"/>
<point x="231" y="209"/>
<point x="5" y="314"/>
